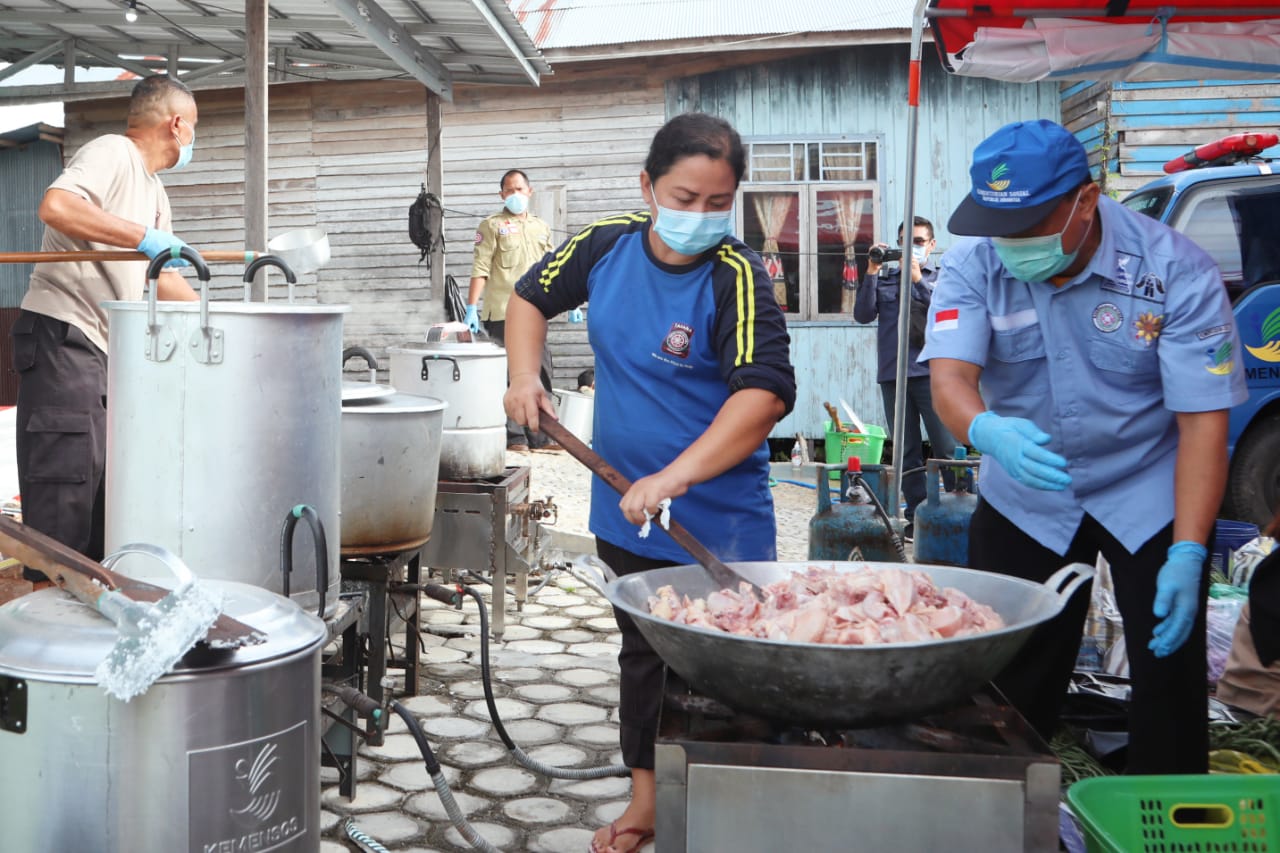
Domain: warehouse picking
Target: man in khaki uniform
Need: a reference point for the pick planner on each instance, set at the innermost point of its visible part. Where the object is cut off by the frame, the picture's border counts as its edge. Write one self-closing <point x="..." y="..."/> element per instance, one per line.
<point x="507" y="244"/>
<point x="108" y="197"/>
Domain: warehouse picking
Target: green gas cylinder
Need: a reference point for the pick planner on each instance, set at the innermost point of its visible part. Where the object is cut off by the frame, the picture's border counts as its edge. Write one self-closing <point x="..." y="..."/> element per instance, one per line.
<point x="853" y="528"/>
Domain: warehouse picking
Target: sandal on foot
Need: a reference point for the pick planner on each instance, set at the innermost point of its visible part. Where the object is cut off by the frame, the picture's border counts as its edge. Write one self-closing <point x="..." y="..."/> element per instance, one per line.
<point x="643" y="836"/>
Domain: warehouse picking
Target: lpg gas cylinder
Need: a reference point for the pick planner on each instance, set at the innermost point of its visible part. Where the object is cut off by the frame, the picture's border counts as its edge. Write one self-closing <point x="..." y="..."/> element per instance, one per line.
<point x="942" y="521"/>
<point x="838" y="529"/>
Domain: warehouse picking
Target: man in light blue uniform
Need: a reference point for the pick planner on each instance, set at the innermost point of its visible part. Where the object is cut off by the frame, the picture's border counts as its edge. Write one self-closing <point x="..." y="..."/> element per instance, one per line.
<point x="1091" y="355"/>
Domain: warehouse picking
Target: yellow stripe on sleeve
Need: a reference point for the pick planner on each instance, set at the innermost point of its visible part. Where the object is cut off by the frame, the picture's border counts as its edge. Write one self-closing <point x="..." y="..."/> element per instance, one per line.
<point x="745" y="293"/>
<point x="551" y="270"/>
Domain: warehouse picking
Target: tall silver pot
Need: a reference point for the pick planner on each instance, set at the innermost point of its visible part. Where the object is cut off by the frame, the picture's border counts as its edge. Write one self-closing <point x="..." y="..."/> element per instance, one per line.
<point x="221" y="417"/>
<point x="221" y="757"/>
<point x="471" y="377"/>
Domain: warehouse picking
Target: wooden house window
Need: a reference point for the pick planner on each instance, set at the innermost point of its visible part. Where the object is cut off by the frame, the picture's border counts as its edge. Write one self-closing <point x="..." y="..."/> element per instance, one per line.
<point x="811" y="209"/>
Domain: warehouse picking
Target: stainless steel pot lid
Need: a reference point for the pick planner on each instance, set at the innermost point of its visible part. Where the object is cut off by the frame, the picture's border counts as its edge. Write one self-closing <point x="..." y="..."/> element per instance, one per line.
<point x="395" y="404"/>
<point x="468" y="349"/>
<point x="353" y="392"/>
<point x="50" y="635"/>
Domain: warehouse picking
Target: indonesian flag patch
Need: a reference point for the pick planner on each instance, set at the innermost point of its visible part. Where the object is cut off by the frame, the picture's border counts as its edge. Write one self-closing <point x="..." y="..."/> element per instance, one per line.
<point x="948" y="318"/>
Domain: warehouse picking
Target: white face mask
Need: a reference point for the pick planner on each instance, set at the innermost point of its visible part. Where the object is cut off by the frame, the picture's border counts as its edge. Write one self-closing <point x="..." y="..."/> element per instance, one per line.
<point x="184" y="151"/>
<point x="919" y="254"/>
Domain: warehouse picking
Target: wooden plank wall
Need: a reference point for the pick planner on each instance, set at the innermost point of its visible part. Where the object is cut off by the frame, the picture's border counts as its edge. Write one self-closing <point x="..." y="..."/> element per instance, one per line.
<point x="1141" y="126"/>
<point x="348" y="157"/>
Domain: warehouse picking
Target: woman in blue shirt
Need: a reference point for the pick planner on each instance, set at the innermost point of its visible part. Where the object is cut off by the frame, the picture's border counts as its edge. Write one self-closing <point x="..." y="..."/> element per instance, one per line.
<point x="693" y="370"/>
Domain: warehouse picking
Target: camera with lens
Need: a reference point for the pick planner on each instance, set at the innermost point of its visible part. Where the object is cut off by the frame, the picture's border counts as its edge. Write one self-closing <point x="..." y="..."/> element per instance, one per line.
<point x="883" y="255"/>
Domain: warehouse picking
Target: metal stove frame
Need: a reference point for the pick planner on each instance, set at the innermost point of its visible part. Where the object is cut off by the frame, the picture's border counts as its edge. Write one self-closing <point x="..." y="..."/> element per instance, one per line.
<point x="973" y="778"/>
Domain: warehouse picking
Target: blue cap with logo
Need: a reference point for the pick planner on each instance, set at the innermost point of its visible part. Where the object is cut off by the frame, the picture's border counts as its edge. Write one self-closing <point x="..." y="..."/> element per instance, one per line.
<point x="1019" y="174"/>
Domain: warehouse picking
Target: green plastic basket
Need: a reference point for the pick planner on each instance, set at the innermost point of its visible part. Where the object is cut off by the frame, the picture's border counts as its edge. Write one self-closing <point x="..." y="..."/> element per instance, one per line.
<point x="867" y="446"/>
<point x="1166" y="814"/>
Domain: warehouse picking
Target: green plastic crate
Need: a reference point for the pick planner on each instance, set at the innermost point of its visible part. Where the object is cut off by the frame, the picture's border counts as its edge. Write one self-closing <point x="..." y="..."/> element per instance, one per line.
<point x="867" y="446"/>
<point x="1167" y="814"/>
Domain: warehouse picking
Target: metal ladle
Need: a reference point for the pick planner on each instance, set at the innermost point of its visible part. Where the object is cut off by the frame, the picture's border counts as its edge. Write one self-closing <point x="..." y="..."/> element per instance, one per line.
<point x="721" y="573"/>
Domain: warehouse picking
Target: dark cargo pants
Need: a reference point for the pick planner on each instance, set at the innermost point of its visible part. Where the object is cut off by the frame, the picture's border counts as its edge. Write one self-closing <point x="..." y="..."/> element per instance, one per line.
<point x="61" y="432"/>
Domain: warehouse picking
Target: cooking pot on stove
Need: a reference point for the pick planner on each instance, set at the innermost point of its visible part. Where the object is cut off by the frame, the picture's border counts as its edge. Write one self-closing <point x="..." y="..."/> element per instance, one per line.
<point x="221" y="416"/>
<point x="836" y="684"/>
<point x="219" y="754"/>
<point x="472" y="378"/>
<point x="390" y="467"/>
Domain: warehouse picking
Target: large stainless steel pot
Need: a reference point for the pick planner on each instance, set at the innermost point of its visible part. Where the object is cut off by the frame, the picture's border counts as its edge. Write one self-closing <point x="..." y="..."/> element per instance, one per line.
<point x="390" y="469"/>
<point x="843" y="685"/>
<point x="221" y="417"/>
<point x="224" y="756"/>
<point x="471" y="377"/>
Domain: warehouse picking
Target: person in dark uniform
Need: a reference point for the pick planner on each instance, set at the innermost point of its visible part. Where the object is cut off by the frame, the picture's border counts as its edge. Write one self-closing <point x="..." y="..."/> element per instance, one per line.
<point x="693" y="358"/>
<point x="108" y="197"/>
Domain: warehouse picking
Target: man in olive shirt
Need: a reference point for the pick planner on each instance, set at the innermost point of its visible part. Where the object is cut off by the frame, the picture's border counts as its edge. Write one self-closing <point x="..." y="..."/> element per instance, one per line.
<point x="108" y="197"/>
<point x="507" y="244"/>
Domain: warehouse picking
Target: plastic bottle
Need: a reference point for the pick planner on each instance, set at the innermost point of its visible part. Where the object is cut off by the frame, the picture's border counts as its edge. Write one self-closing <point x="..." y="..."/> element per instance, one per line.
<point x="795" y="455"/>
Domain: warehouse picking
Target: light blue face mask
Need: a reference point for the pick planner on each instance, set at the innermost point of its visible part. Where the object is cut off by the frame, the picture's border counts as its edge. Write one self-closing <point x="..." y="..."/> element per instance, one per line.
<point x="517" y="203"/>
<point x="1037" y="258"/>
<point x="919" y="254"/>
<point x="185" y="152"/>
<point x="691" y="233"/>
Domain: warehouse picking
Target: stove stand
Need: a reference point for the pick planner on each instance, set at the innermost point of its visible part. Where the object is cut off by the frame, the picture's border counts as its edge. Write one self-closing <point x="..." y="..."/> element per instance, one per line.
<point x="975" y="778"/>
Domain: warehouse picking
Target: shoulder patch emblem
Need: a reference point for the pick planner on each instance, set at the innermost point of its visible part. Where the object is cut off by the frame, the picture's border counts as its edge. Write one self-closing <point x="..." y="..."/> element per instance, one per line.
<point x="678" y="339"/>
<point x="1107" y="317"/>
<point x="1213" y="331"/>
<point x="1220" y="361"/>
<point x="479" y="238"/>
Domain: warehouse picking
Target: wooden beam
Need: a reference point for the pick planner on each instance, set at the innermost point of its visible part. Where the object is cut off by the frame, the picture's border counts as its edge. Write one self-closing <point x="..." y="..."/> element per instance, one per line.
<point x="369" y="19"/>
<point x="435" y="184"/>
<point x="203" y="23"/>
<point x="255" y="137"/>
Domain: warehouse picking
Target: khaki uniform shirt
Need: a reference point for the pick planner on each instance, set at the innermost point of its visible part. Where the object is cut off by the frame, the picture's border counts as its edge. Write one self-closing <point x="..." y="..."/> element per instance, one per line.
<point x="110" y="174"/>
<point x="506" y="246"/>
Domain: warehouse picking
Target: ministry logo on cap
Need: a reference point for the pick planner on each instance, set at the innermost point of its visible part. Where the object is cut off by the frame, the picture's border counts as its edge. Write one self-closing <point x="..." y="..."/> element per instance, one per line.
<point x="1018" y="175"/>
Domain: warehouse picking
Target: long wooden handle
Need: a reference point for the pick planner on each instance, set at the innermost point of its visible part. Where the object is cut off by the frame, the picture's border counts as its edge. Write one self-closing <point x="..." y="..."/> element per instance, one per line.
<point x="86" y="579"/>
<point x="723" y="575"/>
<point x="835" y="417"/>
<point x="213" y="256"/>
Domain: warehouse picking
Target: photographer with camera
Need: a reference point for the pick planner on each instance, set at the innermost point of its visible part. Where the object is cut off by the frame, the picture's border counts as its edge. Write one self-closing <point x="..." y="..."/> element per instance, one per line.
<point x="878" y="298"/>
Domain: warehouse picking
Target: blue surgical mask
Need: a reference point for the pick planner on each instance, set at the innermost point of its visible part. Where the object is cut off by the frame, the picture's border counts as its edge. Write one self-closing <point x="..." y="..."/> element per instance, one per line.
<point x="185" y="151"/>
<point x="517" y="203"/>
<point x="691" y="233"/>
<point x="919" y="254"/>
<point x="1036" y="258"/>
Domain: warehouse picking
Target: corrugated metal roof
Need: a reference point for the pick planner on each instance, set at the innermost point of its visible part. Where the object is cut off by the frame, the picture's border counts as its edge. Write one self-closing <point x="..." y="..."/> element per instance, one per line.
<point x="456" y="40"/>
<point x="555" y="24"/>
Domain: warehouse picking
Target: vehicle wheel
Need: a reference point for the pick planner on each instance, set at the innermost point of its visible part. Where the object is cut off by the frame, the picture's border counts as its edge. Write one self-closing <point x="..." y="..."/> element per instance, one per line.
<point x="1254" y="484"/>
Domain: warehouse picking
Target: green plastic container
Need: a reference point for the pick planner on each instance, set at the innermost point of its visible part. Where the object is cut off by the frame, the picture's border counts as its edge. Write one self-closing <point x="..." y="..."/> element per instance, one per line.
<point x="867" y="446"/>
<point x="1137" y="814"/>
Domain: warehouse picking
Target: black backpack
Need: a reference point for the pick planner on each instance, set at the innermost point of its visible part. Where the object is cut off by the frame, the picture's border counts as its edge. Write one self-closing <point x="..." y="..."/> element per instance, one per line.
<point x="420" y="215"/>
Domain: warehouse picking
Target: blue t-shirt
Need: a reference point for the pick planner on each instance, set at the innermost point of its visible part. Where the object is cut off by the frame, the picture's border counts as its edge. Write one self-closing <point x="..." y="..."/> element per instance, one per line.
<point x="1103" y="364"/>
<point x="671" y="343"/>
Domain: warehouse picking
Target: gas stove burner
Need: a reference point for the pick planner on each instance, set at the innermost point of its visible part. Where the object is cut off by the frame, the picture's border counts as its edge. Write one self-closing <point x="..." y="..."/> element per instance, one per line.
<point x="496" y="480"/>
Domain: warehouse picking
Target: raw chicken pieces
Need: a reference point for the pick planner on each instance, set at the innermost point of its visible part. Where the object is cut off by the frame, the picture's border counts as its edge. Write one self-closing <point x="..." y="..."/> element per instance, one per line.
<point x="846" y="608"/>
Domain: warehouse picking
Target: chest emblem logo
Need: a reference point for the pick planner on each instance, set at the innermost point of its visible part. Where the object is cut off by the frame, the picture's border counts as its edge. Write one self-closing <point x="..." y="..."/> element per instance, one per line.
<point x="1148" y="327"/>
<point x="677" y="340"/>
<point x="1107" y="317"/>
<point x="1220" y="361"/>
<point x="1150" y="287"/>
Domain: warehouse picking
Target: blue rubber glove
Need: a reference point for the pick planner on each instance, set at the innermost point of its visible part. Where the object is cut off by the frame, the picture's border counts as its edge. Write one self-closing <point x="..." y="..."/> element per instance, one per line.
<point x="157" y="242"/>
<point x="575" y="316"/>
<point x="473" y="318"/>
<point x="1017" y="444"/>
<point x="1177" y="596"/>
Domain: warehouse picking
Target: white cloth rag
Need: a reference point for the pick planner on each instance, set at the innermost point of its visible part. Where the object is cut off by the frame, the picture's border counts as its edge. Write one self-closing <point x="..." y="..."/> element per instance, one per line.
<point x="664" y="517"/>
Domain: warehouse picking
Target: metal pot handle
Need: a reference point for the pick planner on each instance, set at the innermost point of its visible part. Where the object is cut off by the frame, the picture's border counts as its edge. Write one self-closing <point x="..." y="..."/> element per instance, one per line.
<point x="1065" y="581"/>
<point x="171" y="561"/>
<point x="161" y="342"/>
<point x="424" y="376"/>
<point x="369" y="359"/>
<point x="269" y="261"/>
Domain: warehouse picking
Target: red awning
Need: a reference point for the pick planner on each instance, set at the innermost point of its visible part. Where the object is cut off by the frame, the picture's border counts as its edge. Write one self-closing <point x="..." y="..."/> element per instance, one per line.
<point x="1099" y="40"/>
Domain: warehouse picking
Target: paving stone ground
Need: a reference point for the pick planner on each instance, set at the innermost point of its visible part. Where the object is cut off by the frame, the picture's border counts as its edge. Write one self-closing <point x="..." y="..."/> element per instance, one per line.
<point x="555" y="677"/>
